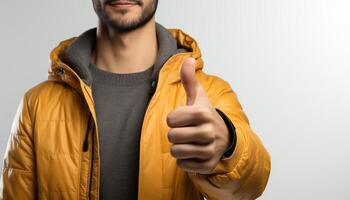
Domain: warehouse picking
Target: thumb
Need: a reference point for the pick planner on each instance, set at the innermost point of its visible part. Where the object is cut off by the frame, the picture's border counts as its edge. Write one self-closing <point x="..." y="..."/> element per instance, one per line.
<point x="189" y="80"/>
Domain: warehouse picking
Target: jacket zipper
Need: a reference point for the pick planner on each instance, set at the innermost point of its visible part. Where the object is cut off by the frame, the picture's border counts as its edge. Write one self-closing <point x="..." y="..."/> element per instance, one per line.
<point x="91" y="165"/>
<point x="85" y="149"/>
<point x="86" y="139"/>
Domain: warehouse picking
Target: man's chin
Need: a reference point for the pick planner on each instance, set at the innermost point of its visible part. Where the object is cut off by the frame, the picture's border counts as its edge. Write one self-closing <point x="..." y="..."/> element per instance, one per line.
<point x="125" y="22"/>
<point x="122" y="26"/>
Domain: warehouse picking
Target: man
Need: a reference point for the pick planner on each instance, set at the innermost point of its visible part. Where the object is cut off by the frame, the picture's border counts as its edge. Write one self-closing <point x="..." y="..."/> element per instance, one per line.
<point x="128" y="113"/>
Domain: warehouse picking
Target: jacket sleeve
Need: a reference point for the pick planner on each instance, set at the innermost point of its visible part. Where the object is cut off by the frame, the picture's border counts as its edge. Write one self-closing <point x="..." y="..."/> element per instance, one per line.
<point x="18" y="179"/>
<point x="244" y="174"/>
<point x="232" y="134"/>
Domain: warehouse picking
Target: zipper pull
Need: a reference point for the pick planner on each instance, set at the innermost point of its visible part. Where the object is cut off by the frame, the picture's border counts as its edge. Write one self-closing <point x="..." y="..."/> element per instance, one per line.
<point x="153" y="87"/>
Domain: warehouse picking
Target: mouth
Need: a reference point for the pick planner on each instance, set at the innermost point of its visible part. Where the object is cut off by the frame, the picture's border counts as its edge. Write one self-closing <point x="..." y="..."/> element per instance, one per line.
<point x="122" y="4"/>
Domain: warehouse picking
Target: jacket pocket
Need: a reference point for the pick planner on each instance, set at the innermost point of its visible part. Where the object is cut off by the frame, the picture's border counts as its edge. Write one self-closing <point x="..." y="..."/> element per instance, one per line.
<point x="58" y="155"/>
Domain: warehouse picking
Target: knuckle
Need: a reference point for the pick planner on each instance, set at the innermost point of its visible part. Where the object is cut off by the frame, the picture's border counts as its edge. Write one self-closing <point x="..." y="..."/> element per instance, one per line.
<point x="211" y="151"/>
<point x="208" y="133"/>
<point x="211" y="136"/>
<point x="201" y="111"/>
<point x="202" y="153"/>
<point x="208" y="166"/>
<point x="212" y="165"/>
<point x="206" y="113"/>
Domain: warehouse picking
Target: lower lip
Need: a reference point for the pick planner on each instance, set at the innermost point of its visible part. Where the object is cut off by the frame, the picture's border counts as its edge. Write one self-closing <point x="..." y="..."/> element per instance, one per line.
<point x="122" y="6"/>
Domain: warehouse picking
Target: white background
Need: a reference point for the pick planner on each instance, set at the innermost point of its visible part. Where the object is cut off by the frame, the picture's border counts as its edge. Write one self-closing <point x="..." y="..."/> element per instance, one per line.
<point x="288" y="61"/>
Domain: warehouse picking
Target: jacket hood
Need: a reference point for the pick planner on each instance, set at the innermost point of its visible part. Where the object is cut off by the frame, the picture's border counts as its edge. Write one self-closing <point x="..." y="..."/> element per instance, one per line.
<point x="69" y="65"/>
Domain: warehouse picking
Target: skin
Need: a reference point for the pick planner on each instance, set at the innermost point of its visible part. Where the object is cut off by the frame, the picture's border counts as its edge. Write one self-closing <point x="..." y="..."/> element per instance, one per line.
<point x="198" y="134"/>
<point x="123" y="36"/>
<point x="127" y="43"/>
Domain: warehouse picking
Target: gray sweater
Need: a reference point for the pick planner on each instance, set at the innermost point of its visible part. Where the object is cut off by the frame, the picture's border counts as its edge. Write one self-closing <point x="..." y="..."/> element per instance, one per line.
<point x="120" y="102"/>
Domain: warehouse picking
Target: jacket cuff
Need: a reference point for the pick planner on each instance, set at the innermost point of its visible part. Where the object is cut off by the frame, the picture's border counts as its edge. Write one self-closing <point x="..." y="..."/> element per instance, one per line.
<point x="232" y="134"/>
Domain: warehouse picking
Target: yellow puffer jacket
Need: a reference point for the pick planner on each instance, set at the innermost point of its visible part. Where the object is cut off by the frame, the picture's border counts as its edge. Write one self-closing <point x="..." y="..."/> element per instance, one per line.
<point x="45" y="157"/>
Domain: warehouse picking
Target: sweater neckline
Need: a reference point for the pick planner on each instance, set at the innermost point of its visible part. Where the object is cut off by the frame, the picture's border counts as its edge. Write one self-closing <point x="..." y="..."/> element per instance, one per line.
<point x="122" y="79"/>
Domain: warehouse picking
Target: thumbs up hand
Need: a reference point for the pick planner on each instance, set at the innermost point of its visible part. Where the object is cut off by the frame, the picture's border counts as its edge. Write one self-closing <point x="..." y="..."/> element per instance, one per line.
<point x="198" y="134"/>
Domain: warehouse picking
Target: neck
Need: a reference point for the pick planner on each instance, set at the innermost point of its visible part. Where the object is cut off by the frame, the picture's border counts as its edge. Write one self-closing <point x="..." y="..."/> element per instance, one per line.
<point x="130" y="52"/>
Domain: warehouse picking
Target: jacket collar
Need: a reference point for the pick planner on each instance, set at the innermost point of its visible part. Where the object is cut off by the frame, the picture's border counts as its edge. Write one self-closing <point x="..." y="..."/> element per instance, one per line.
<point x="61" y="70"/>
